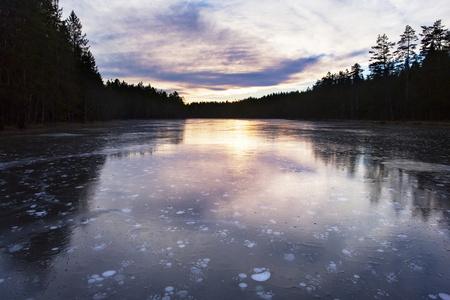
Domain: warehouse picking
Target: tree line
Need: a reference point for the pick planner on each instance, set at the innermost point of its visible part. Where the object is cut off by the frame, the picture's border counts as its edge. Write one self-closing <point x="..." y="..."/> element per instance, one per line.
<point x="403" y="84"/>
<point x="48" y="74"/>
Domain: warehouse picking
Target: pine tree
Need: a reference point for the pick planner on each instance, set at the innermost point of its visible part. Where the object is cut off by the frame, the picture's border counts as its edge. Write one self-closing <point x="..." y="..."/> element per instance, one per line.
<point x="435" y="70"/>
<point x="406" y="46"/>
<point x="77" y="39"/>
<point x="88" y="78"/>
<point x="381" y="66"/>
<point x="382" y="59"/>
<point x="434" y="39"/>
<point x="405" y="54"/>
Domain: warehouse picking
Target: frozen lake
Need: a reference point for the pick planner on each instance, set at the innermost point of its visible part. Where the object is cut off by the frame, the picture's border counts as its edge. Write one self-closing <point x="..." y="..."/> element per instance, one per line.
<point x="225" y="209"/>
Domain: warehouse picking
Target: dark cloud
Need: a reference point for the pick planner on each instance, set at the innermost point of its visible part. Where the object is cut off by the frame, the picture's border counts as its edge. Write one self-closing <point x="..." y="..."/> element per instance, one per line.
<point x="270" y="76"/>
<point x="356" y="53"/>
<point x="184" y="17"/>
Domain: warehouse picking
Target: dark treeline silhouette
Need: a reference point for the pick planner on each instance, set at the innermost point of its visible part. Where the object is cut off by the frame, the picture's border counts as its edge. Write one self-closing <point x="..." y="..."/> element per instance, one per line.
<point x="402" y="85"/>
<point x="131" y="101"/>
<point x="48" y="74"/>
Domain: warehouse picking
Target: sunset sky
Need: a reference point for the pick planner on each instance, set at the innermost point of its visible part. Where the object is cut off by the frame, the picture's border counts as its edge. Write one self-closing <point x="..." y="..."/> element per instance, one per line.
<point x="214" y="50"/>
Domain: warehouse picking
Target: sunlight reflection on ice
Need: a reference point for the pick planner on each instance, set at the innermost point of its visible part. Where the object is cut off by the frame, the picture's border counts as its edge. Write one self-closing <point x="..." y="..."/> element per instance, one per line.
<point x="239" y="209"/>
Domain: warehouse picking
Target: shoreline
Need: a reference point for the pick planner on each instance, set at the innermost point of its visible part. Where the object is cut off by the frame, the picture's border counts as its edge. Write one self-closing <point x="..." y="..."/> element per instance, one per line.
<point x="75" y="125"/>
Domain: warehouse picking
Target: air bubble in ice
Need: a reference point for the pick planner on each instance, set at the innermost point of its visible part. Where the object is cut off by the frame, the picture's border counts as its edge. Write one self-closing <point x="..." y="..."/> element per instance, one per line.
<point x="182" y="294"/>
<point x="261" y="276"/>
<point x="108" y="273"/>
<point x="444" y="296"/>
<point x="289" y="256"/>
<point x="249" y="244"/>
<point x="16" y="248"/>
<point x="169" y="289"/>
<point x="346" y="252"/>
<point x="40" y="213"/>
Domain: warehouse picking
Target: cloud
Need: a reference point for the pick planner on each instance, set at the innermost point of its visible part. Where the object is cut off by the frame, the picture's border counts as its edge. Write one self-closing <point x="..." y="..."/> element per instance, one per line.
<point x="270" y="76"/>
<point x="185" y="17"/>
<point x="230" y="45"/>
<point x="129" y="64"/>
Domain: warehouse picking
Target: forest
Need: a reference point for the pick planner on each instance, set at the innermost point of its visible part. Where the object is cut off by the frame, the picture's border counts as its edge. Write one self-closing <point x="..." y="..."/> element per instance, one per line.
<point x="408" y="80"/>
<point x="49" y="75"/>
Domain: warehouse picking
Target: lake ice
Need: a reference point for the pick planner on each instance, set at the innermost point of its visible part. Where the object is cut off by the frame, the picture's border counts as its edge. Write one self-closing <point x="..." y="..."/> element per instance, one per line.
<point x="225" y="209"/>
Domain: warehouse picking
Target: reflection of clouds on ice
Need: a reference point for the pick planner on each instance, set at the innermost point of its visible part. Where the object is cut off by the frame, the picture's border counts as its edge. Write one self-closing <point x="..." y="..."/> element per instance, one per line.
<point x="204" y="212"/>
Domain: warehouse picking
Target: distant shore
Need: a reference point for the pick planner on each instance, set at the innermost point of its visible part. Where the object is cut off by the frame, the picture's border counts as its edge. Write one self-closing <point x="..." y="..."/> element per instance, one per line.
<point x="76" y="125"/>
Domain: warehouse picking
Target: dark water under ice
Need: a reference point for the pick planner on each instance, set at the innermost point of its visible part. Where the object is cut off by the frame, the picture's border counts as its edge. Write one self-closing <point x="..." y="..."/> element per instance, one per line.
<point x="225" y="209"/>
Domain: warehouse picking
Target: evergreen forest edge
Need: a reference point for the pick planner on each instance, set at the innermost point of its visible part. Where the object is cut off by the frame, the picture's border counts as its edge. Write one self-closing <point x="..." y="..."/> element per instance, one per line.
<point x="49" y="75"/>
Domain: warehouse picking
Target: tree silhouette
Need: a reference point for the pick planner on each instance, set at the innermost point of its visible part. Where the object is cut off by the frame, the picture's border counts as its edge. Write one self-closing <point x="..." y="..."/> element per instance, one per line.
<point x="404" y="53"/>
<point x="406" y="46"/>
<point x="382" y="59"/>
<point x="434" y="39"/>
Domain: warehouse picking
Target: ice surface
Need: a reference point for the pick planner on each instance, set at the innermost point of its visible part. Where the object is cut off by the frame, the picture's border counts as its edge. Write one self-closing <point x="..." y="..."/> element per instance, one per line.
<point x="413" y="165"/>
<point x="134" y="208"/>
